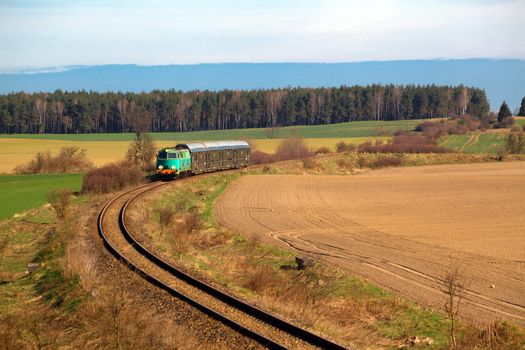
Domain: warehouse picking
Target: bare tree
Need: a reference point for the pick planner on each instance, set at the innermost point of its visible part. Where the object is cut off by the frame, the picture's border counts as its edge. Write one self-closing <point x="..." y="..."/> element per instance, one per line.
<point x="274" y="100"/>
<point x="454" y="288"/>
<point x="122" y="106"/>
<point x="141" y="151"/>
<point x="397" y="100"/>
<point x="379" y="96"/>
<point x="41" y="110"/>
<point x="463" y="100"/>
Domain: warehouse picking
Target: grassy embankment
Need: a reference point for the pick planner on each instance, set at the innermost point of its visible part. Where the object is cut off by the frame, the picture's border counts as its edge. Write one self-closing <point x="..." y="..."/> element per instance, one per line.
<point x="324" y="298"/>
<point x="71" y="300"/>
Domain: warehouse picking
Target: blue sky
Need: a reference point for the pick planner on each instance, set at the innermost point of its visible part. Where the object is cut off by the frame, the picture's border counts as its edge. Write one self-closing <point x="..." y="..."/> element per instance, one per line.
<point x="36" y="34"/>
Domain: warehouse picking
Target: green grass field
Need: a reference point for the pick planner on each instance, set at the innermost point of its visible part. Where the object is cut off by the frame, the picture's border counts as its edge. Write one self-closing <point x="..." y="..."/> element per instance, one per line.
<point x="475" y="143"/>
<point x="19" y="193"/>
<point x="341" y="130"/>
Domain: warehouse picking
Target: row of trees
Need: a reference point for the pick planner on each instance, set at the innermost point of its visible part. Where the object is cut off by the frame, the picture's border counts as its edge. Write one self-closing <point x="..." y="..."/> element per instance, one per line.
<point x="92" y="112"/>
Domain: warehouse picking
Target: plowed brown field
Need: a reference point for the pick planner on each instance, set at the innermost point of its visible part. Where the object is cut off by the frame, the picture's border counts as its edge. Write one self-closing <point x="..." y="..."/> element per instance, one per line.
<point x="401" y="228"/>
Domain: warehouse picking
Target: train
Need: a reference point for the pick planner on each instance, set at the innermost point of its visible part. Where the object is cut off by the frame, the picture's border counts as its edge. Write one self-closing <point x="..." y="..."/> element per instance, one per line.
<point x="201" y="157"/>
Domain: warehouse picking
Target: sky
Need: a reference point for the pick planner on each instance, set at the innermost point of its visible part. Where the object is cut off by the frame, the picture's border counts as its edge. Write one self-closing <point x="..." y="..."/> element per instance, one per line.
<point x="39" y="34"/>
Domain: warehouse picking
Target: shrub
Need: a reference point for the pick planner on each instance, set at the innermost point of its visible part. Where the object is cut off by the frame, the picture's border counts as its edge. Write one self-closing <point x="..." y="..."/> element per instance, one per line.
<point x="193" y="220"/>
<point x="292" y="148"/>
<point x="400" y="132"/>
<point x="456" y="126"/>
<point x="344" y="147"/>
<point x="345" y="164"/>
<point x="60" y="201"/>
<point x="259" y="157"/>
<point x="387" y="161"/>
<point x="69" y="160"/>
<point x="323" y="150"/>
<point x="166" y="216"/>
<point x="309" y="163"/>
<point x="515" y="142"/>
<point x="112" y="177"/>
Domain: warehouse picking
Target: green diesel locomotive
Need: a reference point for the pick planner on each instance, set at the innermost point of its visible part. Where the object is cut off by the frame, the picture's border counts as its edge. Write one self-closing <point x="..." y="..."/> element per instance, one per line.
<point x="201" y="157"/>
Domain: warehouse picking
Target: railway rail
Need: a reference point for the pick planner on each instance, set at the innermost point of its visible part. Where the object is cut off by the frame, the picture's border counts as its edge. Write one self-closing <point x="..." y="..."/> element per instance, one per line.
<point x="268" y="330"/>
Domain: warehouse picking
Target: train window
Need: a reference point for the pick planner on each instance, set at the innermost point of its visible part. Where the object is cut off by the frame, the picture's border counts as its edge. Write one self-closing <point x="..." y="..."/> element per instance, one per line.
<point x="172" y="155"/>
<point x="162" y="155"/>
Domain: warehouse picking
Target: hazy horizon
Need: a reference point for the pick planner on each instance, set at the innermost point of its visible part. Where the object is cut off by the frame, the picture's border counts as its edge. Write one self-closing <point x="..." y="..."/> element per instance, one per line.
<point x="502" y="79"/>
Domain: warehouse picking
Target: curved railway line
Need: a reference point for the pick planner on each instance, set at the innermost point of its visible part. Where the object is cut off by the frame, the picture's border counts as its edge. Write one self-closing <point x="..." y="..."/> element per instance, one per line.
<point x="267" y="329"/>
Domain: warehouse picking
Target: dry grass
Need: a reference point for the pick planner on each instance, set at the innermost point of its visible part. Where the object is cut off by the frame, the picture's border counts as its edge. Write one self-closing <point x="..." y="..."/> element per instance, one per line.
<point x="14" y="152"/>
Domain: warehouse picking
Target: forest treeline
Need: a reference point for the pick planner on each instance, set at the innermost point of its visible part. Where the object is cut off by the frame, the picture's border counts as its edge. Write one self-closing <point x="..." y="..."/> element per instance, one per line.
<point x="171" y="110"/>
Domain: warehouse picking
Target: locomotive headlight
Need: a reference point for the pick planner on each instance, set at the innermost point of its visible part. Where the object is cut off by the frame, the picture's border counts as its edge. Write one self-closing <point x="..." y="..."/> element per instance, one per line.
<point x="173" y="167"/>
<point x="161" y="167"/>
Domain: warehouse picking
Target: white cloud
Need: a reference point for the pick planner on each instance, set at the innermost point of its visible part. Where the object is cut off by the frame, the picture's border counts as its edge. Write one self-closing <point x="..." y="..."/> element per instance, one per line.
<point x="163" y="32"/>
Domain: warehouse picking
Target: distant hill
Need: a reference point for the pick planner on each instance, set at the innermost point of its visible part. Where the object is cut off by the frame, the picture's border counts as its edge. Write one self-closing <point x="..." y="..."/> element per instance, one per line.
<point x="501" y="79"/>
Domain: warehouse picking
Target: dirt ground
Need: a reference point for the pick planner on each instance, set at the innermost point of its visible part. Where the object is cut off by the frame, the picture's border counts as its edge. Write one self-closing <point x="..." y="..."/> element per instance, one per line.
<point x="402" y="228"/>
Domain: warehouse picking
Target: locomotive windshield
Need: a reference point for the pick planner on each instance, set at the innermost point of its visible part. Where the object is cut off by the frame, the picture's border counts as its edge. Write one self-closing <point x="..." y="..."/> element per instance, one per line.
<point x="162" y="155"/>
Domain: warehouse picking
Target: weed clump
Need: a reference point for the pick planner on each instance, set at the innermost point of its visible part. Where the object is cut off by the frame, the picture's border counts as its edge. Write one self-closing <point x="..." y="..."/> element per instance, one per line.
<point x="60" y="201"/>
<point x="310" y="164"/>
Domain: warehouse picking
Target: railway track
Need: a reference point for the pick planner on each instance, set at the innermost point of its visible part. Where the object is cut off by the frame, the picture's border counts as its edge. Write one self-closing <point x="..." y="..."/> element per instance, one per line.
<point x="267" y="329"/>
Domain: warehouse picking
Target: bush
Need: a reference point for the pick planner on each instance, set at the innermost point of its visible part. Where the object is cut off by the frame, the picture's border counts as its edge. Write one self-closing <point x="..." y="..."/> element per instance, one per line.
<point x="323" y="150"/>
<point x="69" y="160"/>
<point x="60" y="201"/>
<point x="345" y="164"/>
<point x="310" y="164"/>
<point x="387" y="161"/>
<point x="344" y="147"/>
<point x="112" y="177"/>
<point x="166" y="216"/>
<point x="515" y="142"/>
<point x="288" y="149"/>
<point x="400" y="132"/>
<point x="292" y="148"/>
<point x="259" y="157"/>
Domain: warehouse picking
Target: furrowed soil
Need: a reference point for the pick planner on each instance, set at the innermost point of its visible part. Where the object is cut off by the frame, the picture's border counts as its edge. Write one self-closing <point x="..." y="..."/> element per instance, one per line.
<point x="402" y="228"/>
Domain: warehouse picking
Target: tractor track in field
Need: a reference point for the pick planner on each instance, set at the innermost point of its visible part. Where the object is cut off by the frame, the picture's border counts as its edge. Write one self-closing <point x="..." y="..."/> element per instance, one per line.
<point x="347" y="221"/>
<point x="245" y="319"/>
